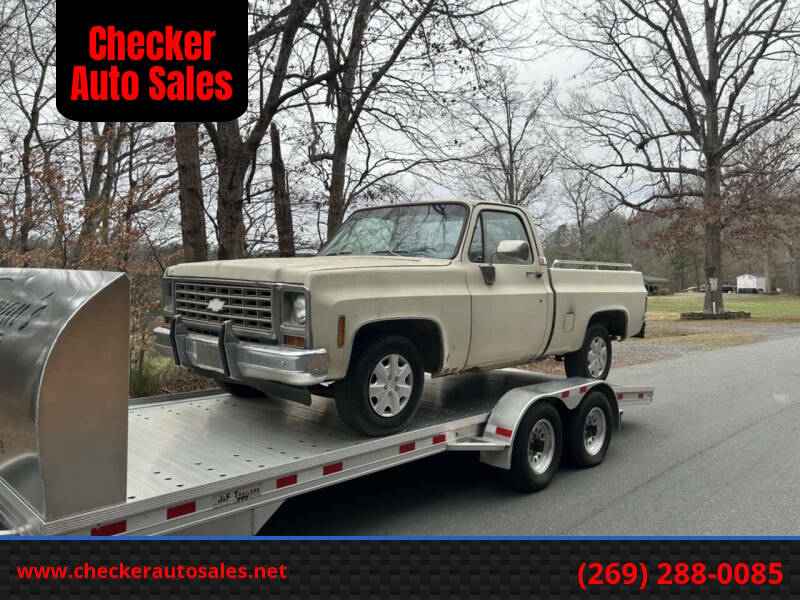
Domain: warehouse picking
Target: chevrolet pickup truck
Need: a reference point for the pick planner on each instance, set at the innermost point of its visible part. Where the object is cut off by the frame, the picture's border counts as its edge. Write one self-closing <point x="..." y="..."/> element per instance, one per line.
<point x="400" y="290"/>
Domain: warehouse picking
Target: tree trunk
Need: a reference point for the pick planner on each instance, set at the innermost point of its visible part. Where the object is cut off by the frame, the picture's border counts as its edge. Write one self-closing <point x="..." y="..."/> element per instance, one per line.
<point x="98" y="194"/>
<point x="190" y="192"/>
<point x="232" y="164"/>
<point x="336" y="203"/>
<point x="27" y="208"/>
<point x="712" y="195"/>
<point x="713" y="268"/>
<point x="696" y="264"/>
<point x="346" y="117"/>
<point x="283" y="206"/>
<point x="767" y="273"/>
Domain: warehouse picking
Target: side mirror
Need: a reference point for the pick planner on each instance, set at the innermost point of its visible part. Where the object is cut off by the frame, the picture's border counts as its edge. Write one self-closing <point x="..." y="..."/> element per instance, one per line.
<point x="488" y="273"/>
<point x="513" y="251"/>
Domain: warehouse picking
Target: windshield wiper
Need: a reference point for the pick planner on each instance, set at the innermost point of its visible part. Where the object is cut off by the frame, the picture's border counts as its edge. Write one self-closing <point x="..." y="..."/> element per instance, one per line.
<point x="387" y="251"/>
<point x="339" y="253"/>
<point x="421" y="250"/>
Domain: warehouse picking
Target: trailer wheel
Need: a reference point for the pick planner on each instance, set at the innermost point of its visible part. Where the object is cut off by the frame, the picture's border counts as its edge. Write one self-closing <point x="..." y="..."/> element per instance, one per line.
<point x="240" y="390"/>
<point x="537" y="448"/>
<point x="382" y="389"/>
<point x="593" y="359"/>
<point x="589" y="431"/>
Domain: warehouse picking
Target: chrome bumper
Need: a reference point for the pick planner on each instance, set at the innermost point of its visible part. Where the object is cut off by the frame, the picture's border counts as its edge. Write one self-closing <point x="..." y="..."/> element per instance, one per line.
<point x="242" y="361"/>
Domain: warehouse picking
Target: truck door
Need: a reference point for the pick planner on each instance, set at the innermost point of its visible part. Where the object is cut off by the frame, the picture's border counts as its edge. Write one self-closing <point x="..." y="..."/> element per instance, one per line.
<point x="510" y="318"/>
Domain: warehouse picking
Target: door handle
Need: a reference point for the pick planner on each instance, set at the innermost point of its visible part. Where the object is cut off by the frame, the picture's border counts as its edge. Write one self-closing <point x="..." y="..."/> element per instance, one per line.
<point x="537" y="273"/>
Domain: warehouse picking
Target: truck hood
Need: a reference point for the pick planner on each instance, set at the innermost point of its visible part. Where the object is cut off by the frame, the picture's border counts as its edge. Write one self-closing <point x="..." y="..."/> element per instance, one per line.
<point x="293" y="270"/>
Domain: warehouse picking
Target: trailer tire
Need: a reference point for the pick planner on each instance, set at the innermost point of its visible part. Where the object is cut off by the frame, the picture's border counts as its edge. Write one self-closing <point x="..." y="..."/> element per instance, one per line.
<point x="585" y="362"/>
<point x="381" y="413"/>
<point x="240" y="390"/>
<point x="589" y="431"/>
<point x="537" y="449"/>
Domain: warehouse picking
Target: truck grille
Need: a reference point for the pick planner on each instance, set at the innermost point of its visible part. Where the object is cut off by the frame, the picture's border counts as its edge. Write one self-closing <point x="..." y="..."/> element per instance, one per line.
<point x="246" y="306"/>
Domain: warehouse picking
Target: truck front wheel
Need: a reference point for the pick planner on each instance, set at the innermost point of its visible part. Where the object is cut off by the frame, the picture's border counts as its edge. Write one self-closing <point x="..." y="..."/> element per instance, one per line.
<point x="382" y="389"/>
<point x="593" y="359"/>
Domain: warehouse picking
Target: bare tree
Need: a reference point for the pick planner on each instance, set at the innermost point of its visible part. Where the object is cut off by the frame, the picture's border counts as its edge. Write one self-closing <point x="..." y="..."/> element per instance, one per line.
<point x="236" y="152"/>
<point x="762" y="208"/>
<point x="513" y="156"/>
<point x="280" y="193"/>
<point x="190" y="192"/>
<point x="385" y="56"/>
<point x="29" y="52"/>
<point x="584" y="201"/>
<point x="674" y="88"/>
<point x="99" y="152"/>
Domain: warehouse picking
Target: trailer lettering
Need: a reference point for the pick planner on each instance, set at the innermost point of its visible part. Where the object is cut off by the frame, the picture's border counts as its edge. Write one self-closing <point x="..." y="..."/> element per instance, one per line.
<point x="237" y="496"/>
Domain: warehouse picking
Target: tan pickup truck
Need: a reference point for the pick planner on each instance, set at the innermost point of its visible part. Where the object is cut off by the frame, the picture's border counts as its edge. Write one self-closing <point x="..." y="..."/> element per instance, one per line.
<point x="401" y="290"/>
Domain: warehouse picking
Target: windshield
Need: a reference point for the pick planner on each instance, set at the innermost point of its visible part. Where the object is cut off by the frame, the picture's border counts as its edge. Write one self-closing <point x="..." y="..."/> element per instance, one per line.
<point x="428" y="230"/>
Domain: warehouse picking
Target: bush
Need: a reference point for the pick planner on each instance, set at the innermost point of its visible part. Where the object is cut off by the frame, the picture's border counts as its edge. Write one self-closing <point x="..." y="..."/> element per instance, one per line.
<point x="148" y="374"/>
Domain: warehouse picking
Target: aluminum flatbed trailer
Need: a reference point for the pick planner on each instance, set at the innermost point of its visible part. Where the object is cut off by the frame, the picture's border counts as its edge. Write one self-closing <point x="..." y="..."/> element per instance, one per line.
<point x="215" y="464"/>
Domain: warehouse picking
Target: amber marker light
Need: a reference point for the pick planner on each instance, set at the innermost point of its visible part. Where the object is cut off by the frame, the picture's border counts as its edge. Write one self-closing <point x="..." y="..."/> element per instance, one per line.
<point x="294" y="340"/>
<point x="340" y="336"/>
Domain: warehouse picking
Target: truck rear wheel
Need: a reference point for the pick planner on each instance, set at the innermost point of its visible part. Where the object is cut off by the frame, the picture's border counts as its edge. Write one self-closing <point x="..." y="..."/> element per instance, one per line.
<point x="593" y="360"/>
<point x="589" y="431"/>
<point x="537" y="448"/>
<point x="383" y="387"/>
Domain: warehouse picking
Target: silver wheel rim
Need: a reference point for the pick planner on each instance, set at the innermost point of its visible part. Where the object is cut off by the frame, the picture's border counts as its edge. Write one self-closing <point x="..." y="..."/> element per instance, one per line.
<point x="597" y="357"/>
<point x="390" y="385"/>
<point x="594" y="431"/>
<point x="541" y="446"/>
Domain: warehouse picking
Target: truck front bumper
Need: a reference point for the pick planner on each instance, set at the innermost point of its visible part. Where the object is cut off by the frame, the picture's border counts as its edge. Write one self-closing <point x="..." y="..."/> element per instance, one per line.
<point x="241" y="361"/>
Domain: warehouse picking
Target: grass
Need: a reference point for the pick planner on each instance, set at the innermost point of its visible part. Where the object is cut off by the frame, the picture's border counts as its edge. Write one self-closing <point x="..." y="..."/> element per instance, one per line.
<point x="762" y="308"/>
<point x="148" y="375"/>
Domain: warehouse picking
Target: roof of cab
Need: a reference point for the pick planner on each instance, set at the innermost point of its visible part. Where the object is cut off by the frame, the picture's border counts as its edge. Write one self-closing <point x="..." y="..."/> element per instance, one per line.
<point x="468" y="201"/>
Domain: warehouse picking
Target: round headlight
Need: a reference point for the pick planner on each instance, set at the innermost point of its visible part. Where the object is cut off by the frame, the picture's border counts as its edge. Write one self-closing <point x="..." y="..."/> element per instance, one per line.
<point x="299" y="309"/>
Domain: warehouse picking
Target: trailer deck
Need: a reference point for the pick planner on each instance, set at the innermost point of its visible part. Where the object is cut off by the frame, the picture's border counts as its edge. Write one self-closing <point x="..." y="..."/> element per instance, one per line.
<point x="219" y="440"/>
<point x="79" y="459"/>
<point x="212" y="462"/>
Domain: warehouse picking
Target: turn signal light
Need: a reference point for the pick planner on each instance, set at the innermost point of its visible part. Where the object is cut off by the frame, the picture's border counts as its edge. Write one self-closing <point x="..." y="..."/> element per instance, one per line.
<point x="294" y="341"/>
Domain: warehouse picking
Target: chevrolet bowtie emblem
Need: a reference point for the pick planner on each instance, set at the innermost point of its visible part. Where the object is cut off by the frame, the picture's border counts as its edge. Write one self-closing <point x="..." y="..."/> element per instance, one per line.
<point x="216" y="305"/>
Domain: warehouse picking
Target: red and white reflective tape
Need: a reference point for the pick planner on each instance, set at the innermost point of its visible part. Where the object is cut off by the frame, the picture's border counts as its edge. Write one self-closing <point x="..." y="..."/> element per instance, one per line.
<point x="259" y="490"/>
<point x="502" y="431"/>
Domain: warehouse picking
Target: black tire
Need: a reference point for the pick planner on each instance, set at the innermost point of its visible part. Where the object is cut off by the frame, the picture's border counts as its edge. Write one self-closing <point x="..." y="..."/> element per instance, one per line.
<point x="353" y="401"/>
<point x="525" y="476"/>
<point x="240" y="390"/>
<point x="599" y="431"/>
<point x="577" y="364"/>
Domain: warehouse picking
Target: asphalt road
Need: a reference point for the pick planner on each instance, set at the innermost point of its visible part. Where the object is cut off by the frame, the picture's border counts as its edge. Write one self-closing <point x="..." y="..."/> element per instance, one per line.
<point x="718" y="453"/>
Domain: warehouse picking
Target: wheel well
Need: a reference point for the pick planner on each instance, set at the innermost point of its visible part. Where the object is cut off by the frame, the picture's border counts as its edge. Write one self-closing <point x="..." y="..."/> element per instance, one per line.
<point x="616" y="321"/>
<point x="601" y="387"/>
<point x="423" y="333"/>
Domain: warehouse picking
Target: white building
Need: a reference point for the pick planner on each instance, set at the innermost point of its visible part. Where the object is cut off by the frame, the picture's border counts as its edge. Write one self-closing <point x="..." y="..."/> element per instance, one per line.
<point x="750" y="282"/>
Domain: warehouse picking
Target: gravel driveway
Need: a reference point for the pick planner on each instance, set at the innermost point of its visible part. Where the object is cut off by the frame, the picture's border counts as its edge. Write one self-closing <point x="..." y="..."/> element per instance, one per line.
<point x="670" y="339"/>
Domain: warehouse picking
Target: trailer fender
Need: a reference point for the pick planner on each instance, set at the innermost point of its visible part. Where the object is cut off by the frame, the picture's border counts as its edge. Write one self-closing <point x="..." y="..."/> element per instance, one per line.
<point x="564" y="394"/>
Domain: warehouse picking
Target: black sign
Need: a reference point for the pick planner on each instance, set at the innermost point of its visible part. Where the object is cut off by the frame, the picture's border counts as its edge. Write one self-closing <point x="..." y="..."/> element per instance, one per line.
<point x="173" y="60"/>
<point x="405" y="569"/>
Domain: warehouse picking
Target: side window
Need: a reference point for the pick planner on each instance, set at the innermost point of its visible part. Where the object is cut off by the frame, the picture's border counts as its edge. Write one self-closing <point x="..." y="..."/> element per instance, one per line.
<point x="492" y="228"/>
<point x="476" y="247"/>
